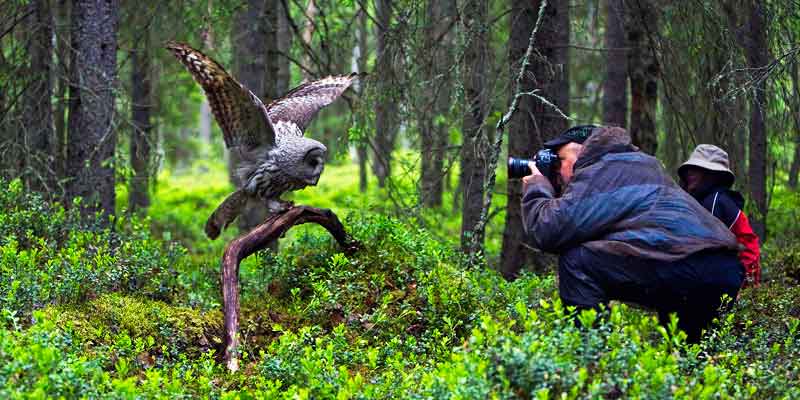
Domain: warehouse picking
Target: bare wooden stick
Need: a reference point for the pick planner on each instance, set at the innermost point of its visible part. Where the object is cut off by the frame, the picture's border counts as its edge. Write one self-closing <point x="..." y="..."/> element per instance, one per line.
<point x="244" y="246"/>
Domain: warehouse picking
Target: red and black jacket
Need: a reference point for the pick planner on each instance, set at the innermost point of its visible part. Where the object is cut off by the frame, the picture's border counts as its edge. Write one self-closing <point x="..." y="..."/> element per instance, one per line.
<point x="727" y="205"/>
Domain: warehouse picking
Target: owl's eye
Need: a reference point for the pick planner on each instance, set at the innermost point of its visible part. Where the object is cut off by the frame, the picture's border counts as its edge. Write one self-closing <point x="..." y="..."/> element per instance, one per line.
<point x="314" y="158"/>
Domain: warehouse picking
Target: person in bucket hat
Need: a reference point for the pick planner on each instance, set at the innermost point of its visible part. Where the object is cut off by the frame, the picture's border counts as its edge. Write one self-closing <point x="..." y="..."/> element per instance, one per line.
<point x="708" y="178"/>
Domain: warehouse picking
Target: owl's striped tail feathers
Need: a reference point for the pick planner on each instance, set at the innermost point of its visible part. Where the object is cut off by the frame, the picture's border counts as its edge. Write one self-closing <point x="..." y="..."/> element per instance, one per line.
<point x="225" y="213"/>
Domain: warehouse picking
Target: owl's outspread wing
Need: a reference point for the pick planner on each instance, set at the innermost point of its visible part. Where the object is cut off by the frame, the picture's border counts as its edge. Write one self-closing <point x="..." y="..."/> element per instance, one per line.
<point x="292" y="113"/>
<point x="241" y="114"/>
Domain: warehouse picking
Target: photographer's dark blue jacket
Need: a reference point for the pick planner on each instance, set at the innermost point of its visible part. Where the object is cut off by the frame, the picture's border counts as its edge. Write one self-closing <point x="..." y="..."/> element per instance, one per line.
<point x="620" y="201"/>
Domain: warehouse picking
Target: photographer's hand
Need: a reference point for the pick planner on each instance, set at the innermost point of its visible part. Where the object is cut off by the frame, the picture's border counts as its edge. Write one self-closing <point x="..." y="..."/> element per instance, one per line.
<point x="529" y="179"/>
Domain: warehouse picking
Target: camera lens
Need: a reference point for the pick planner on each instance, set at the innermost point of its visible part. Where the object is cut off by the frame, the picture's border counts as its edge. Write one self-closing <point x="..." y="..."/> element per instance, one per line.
<point x="518" y="167"/>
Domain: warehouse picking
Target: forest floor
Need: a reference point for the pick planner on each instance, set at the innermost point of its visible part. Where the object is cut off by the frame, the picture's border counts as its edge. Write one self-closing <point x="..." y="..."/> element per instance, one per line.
<point x="134" y="311"/>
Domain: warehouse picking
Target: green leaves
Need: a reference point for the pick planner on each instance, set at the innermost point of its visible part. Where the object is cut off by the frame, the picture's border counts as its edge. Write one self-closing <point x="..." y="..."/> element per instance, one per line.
<point x="49" y="256"/>
<point x="403" y="318"/>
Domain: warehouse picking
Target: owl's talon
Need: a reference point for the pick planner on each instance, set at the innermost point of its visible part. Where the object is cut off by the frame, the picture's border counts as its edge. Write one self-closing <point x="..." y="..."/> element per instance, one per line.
<point x="278" y="206"/>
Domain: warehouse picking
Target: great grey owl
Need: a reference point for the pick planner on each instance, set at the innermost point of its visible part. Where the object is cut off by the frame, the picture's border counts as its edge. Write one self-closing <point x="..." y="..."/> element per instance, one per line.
<point x="275" y="157"/>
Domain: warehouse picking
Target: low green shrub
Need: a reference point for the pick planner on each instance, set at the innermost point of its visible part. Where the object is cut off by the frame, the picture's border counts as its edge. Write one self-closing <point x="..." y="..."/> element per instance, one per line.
<point x="405" y="317"/>
<point x="402" y="284"/>
<point x="781" y="262"/>
<point x="49" y="361"/>
<point x="49" y="255"/>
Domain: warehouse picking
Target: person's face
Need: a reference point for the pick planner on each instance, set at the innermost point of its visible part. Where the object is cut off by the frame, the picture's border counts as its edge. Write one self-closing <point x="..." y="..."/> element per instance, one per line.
<point x="694" y="178"/>
<point x="567" y="156"/>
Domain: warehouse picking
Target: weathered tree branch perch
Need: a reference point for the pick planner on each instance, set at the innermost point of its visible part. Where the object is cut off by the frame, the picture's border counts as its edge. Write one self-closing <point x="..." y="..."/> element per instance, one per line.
<point x="244" y="246"/>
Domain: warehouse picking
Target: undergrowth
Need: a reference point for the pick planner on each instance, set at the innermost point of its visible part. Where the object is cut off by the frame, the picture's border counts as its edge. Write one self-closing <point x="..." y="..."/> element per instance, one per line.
<point x="133" y="311"/>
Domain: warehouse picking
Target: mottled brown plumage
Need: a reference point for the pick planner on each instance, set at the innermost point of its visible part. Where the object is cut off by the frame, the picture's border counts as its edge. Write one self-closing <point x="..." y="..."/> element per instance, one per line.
<point x="275" y="156"/>
<point x="300" y="105"/>
<point x="241" y="114"/>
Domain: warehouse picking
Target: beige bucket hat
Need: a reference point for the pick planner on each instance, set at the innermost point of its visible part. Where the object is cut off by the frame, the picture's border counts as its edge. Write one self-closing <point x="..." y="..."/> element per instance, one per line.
<point x="710" y="157"/>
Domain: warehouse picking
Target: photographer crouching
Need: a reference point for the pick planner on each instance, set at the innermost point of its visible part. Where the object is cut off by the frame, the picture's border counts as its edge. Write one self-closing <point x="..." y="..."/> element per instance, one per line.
<point x="624" y="230"/>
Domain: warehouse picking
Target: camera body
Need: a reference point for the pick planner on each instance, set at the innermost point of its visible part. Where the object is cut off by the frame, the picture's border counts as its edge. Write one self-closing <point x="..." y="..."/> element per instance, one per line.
<point x="546" y="161"/>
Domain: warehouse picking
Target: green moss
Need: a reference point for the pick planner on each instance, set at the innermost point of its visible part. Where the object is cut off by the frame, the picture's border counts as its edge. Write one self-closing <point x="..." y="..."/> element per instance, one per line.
<point x="162" y="330"/>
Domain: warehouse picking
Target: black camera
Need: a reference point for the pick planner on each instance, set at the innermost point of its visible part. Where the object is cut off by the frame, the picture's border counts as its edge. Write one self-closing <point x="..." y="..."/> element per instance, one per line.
<point x="546" y="162"/>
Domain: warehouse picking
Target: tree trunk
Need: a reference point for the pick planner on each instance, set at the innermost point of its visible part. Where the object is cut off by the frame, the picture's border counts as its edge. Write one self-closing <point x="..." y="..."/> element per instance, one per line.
<point x="284" y="38"/>
<point x="3" y="117"/>
<point x="474" y="145"/>
<point x="435" y="102"/>
<point x="615" y="87"/>
<point x="5" y="128"/>
<point x="92" y="136"/>
<point x="37" y="123"/>
<point x="308" y="34"/>
<point x="515" y="253"/>
<point x="644" y="73"/>
<point x="534" y="122"/>
<point x="726" y="121"/>
<point x="740" y="145"/>
<point x="62" y="80"/>
<point x="672" y="149"/>
<point x="12" y="89"/>
<point x="207" y="31"/>
<point x="795" y="168"/>
<point x="205" y="121"/>
<point x="272" y="53"/>
<point x="254" y="36"/>
<point x="141" y="134"/>
<point x="386" y="107"/>
<point x="757" y="53"/>
<point x="361" y="66"/>
<point x="254" y="41"/>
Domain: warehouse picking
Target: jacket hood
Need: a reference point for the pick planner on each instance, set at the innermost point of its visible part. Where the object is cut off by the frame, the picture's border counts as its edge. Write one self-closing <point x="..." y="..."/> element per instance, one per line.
<point x="603" y="141"/>
<point x="737" y="197"/>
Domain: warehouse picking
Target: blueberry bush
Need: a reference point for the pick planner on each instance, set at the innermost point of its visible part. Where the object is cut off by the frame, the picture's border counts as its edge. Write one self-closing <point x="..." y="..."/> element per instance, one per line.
<point x="132" y="311"/>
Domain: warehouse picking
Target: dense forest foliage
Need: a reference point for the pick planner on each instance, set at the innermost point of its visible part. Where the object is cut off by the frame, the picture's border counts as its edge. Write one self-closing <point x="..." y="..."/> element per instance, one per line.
<point x="111" y="161"/>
